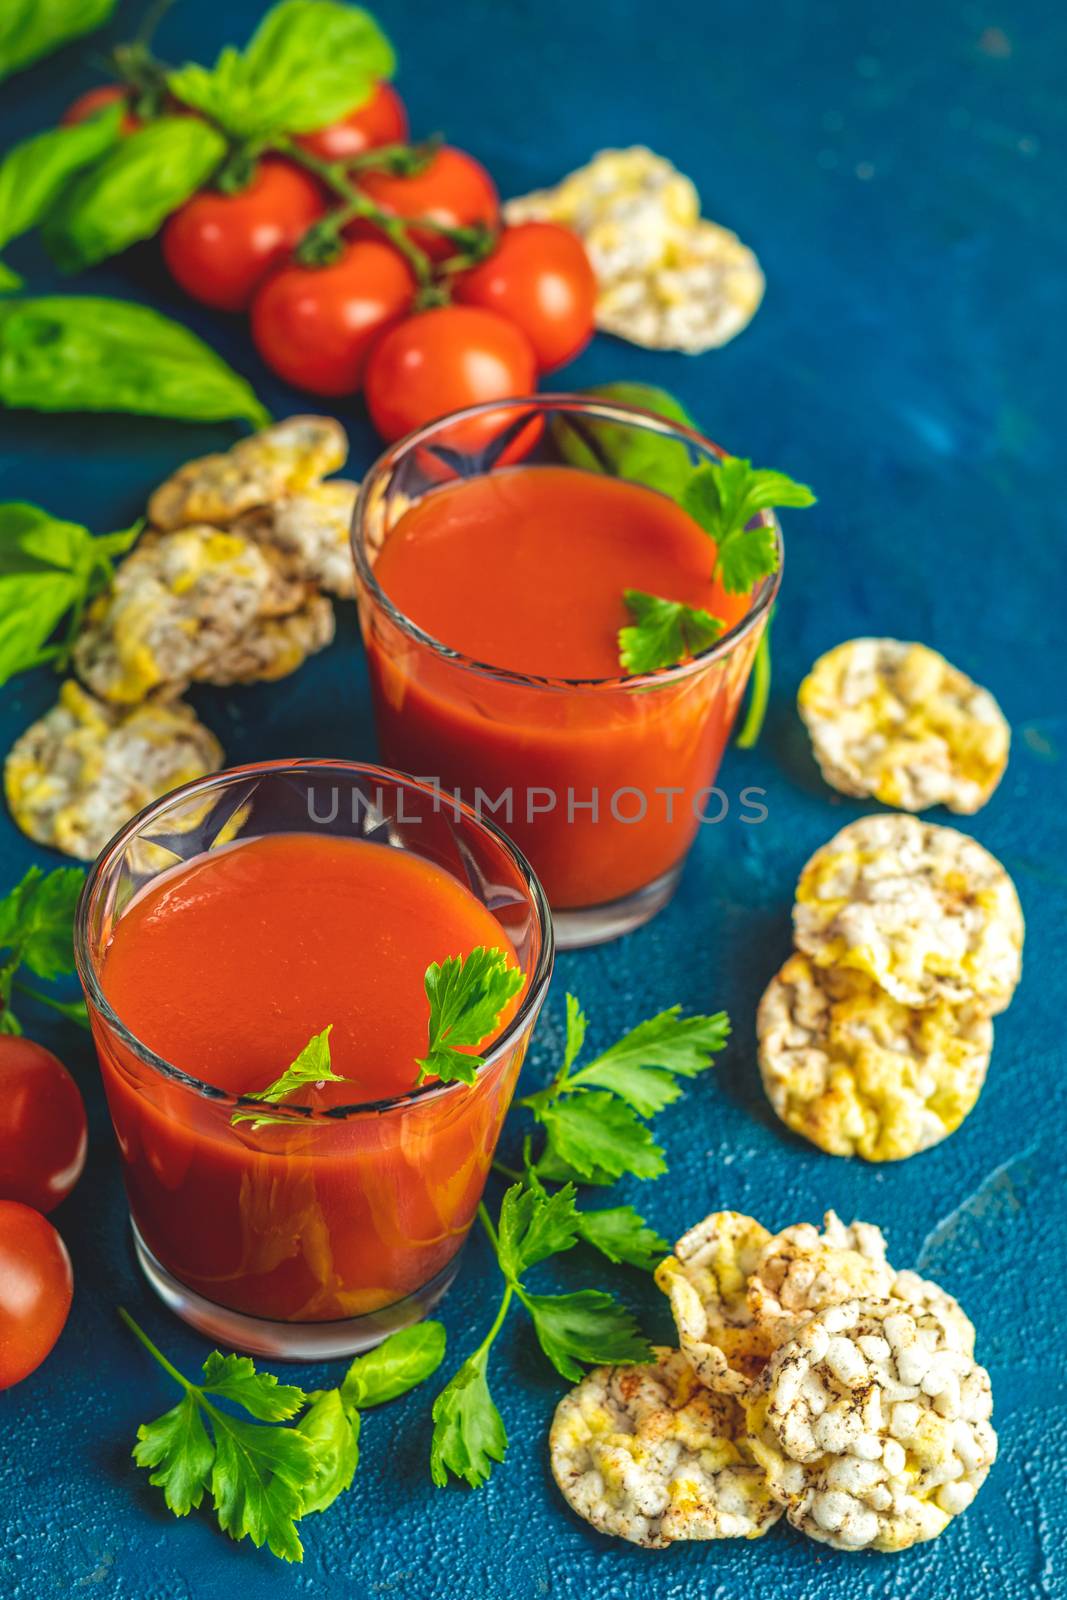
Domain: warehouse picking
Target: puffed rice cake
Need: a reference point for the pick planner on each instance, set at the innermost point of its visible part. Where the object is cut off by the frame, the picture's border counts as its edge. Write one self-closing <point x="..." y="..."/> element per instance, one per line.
<point x="872" y="1426"/>
<point x="857" y="1072"/>
<point x="649" y="1455"/>
<point x="312" y="531"/>
<point x="85" y="768"/>
<point x="706" y="1281"/>
<point x="925" y="911"/>
<point x="281" y="460"/>
<point x="273" y="647"/>
<point x="899" y="722"/>
<point x="667" y="278"/>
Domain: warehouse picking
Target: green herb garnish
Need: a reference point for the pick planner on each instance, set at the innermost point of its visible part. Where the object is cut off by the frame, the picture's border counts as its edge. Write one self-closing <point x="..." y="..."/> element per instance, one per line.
<point x="311" y="1066"/>
<point x="262" y="1475"/>
<point x="593" y="1121"/>
<point x="664" y="632"/>
<point x="467" y="995"/>
<point x="30" y="29"/>
<point x="35" y="932"/>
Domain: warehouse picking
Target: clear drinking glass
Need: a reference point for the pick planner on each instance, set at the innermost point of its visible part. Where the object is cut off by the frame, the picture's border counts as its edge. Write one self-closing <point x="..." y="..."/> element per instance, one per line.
<point x="317" y="1236"/>
<point x="532" y="752"/>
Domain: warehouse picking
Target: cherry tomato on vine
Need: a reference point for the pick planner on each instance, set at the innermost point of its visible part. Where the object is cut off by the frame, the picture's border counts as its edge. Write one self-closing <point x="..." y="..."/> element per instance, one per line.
<point x="441" y="360"/>
<point x="95" y="100"/>
<point x="42" y="1126"/>
<point x="220" y="247"/>
<point x="381" y="120"/>
<point x="452" y="189"/>
<point x="539" y="275"/>
<point x="36" y="1288"/>
<point x="315" y="325"/>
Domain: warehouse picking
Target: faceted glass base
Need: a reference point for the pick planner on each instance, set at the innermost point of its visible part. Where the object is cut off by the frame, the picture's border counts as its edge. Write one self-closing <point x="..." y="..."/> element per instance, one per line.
<point x="289" y="1341"/>
<point x="595" y="924"/>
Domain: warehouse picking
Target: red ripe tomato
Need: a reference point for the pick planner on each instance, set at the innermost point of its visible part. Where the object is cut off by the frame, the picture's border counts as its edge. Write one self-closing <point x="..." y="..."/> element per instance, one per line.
<point x="442" y="360"/>
<point x="36" y="1287"/>
<point x="220" y="247"/>
<point x="381" y="120"/>
<point x="315" y="325"/>
<point x="539" y="275"/>
<point x="95" y="100"/>
<point x="452" y="189"/>
<point x="42" y="1126"/>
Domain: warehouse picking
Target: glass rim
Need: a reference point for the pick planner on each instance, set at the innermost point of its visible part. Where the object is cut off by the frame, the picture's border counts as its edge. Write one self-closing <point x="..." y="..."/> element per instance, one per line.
<point x="609" y="411"/>
<point x="295" y="1115"/>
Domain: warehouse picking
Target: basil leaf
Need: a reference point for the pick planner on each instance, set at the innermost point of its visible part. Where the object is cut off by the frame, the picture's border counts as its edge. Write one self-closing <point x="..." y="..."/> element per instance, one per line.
<point x="128" y="194"/>
<point x="33" y="28"/>
<point x="309" y="63"/>
<point x="34" y="173"/>
<point x="405" y="1359"/>
<point x="86" y="353"/>
<point x="624" y="451"/>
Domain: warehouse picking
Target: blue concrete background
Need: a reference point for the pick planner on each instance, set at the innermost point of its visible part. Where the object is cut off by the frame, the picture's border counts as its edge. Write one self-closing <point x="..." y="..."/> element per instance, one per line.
<point x="900" y="171"/>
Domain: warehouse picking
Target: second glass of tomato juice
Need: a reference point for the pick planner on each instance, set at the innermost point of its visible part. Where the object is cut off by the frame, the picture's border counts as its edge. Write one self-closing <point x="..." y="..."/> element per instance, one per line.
<point x="494" y="581"/>
<point x="219" y="936"/>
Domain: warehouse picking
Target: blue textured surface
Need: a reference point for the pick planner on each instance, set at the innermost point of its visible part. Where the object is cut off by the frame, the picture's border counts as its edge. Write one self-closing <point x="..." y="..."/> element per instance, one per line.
<point x="899" y="169"/>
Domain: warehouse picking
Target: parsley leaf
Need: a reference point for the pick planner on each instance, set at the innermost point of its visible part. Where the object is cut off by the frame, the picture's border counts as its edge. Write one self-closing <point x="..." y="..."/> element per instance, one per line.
<point x="724" y="497"/>
<point x="534" y="1225"/>
<point x="36" y="932"/>
<point x="597" y="1134"/>
<point x="621" y="1235"/>
<point x="311" y="1066"/>
<point x="396" y="1366"/>
<point x="47" y="568"/>
<point x="235" y="1378"/>
<point x="257" y="1482"/>
<point x="177" y="1446"/>
<point x="641" y="1067"/>
<point x="663" y="633"/>
<point x="587" y="1326"/>
<point x="468" y="1430"/>
<point x="467" y="995"/>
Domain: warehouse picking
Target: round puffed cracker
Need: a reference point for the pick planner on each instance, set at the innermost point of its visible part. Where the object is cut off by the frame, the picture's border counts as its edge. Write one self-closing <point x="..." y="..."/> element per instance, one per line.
<point x="858" y="1073"/>
<point x="923" y="910"/>
<point x="312" y="530"/>
<point x="281" y="460"/>
<point x="273" y="647"/>
<point x="872" y="1426"/>
<point x="666" y="278"/>
<point x="802" y="1271"/>
<point x="649" y="1455"/>
<point x="899" y="722"/>
<point x="85" y="768"/>
<point x="178" y="600"/>
<point x="706" y="1281"/>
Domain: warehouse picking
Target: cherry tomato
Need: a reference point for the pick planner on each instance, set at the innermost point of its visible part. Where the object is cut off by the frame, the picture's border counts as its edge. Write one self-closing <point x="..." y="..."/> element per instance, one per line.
<point x="381" y="120"/>
<point x="441" y="360"/>
<point x="36" y="1287"/>
<point x="452" y="189"/>
<point x="220" y="247"/>
<point x="95" y="100"/>
<point x="42" y="1126"/>
<point x="539" y="275"/>
<point x="315" y="325"/>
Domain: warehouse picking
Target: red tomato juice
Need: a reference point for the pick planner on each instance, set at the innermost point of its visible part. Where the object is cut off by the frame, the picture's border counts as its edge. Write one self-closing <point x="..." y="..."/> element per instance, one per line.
<point x="525" y="570"/>
<point x="225" y="967"/>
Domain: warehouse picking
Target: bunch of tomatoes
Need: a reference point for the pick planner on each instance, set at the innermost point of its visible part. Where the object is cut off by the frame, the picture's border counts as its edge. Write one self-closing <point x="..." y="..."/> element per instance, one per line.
<point x="368" y="263"/>
<point x="43" y="1141"/>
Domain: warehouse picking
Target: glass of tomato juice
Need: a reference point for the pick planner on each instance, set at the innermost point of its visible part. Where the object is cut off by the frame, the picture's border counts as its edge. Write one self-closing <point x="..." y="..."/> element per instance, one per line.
<point x="218" y="932"/>
<point x="494" y="549"/>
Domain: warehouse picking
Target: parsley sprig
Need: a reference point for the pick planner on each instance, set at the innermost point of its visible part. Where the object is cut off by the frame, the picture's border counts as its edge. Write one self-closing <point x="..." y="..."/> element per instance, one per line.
<point x="290" y="1455"/>
<point x="35" y="934"/>
<point x="593" y="1123"/>
<point x="725" y="498"/>
<point x="467" y="996"/>
<point x="311" y="1066"/>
